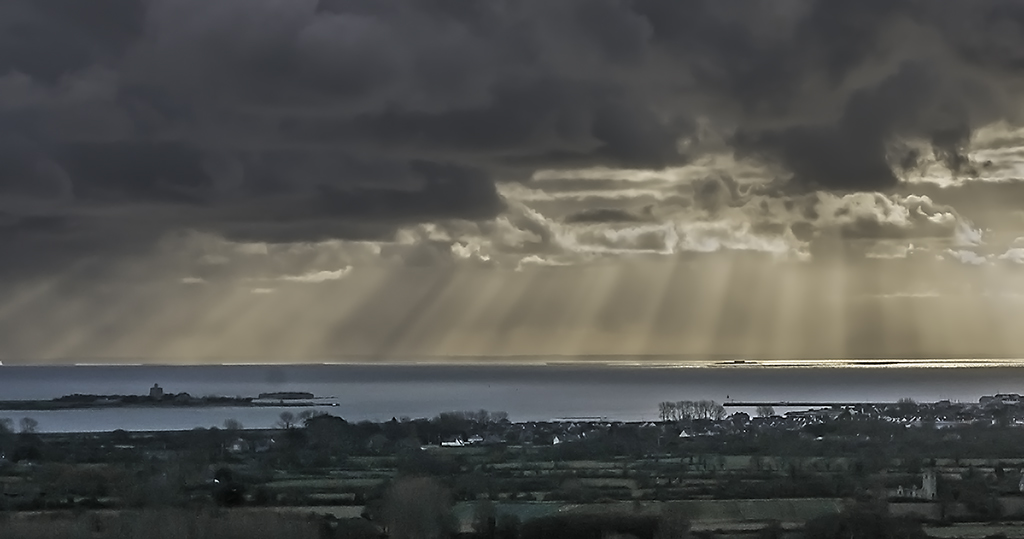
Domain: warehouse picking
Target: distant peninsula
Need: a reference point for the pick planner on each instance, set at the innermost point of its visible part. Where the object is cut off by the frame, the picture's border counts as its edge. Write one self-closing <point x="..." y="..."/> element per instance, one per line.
<point x="286" y="395"/>
<point x="158" y="398"/>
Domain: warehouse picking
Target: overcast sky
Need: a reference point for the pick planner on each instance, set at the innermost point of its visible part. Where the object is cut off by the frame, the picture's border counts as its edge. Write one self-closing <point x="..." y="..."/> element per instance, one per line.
<point x="302" y="180"/>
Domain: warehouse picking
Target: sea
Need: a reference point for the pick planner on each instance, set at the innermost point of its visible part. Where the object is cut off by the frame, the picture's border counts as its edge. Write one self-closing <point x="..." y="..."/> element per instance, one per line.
<point x="527" y="390"/>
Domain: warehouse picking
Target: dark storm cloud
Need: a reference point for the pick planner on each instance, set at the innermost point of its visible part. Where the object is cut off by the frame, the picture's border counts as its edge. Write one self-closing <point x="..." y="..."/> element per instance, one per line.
<point x="307" y="119"/>
<point x="853" y="152"/>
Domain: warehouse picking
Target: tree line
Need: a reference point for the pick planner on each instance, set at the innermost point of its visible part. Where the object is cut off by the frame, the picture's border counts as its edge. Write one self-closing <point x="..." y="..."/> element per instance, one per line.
<point x="680" y="410"/>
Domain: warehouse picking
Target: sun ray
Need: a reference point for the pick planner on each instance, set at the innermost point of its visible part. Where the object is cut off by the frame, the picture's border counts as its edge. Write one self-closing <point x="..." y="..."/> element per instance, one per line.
<point x="583" y="308"/>
<point x="788" y="296"/>
<point x="709" y="306"/>
<point x="414" y="314"/>
<point x="648" y="283"/>
<point x="827" y="309"/>
<point x="513" y="331"/>
<point x="465" y="334"/>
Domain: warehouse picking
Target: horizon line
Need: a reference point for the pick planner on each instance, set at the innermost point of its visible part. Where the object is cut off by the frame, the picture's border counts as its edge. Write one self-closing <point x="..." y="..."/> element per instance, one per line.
<point x="553" y="361"/>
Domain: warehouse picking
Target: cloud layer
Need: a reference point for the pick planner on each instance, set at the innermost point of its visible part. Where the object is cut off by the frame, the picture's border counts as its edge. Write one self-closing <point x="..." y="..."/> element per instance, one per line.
<point x="311" y="120"/>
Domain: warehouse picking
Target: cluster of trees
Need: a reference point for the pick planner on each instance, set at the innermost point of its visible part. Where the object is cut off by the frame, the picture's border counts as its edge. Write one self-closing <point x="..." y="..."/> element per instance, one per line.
<point x="480" y="417"/>
<point x="454" y="421"/>
<point x="21" y="446"/>
<point x="319" y="439"/>
<point x="288" y="420"/>
<point x="703" y="409"/>
<point x="27" y="425"/>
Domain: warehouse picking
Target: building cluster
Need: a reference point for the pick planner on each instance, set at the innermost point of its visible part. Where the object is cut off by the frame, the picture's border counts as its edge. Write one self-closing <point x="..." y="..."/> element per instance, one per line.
<point x="1006" y="409"/>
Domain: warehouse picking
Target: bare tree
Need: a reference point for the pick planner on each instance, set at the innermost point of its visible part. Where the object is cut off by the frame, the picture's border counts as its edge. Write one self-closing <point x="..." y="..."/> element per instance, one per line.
<point x="6" y="435"/>
<point x="686" y="409"/>
<point x="664" y="410"/>
<point x="678" y="411"/>
<point x="704" y="409"/>
<point x="29" y="425"/>
<point x="232" y="425"/>
<point x="765" y="410"/>
<point x="286" y="420"/>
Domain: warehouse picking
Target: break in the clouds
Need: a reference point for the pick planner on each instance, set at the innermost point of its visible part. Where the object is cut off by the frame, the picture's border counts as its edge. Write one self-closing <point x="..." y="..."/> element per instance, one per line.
<point x="284" y="145"/>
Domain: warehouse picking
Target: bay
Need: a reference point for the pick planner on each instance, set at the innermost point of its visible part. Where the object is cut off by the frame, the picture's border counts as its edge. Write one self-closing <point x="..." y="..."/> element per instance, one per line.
<point x="625" y="392"/>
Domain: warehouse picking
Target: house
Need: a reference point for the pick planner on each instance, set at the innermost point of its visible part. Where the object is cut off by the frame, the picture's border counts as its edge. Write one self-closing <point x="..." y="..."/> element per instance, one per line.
<point x="1008" y="399"/>
<point x="1004" y="399"/>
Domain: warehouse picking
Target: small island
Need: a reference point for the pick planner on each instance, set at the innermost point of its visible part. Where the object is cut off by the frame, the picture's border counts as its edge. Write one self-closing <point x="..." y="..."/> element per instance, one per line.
<point x="158" y="398"/>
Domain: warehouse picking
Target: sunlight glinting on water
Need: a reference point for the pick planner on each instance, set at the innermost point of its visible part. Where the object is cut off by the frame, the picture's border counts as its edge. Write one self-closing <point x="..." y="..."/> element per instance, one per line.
<point x="659" y="363"/>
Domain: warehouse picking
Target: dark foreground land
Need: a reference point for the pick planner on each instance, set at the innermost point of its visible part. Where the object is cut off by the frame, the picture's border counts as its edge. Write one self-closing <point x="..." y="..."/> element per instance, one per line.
<point x="903" y="470"/>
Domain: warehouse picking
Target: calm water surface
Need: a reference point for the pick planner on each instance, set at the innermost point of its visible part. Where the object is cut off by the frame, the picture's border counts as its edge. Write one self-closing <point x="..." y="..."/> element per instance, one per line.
<point x="526" y="392"/>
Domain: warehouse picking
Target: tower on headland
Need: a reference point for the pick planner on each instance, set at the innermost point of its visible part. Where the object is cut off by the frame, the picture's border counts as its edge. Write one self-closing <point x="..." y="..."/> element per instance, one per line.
<point x="156" y="392"/>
